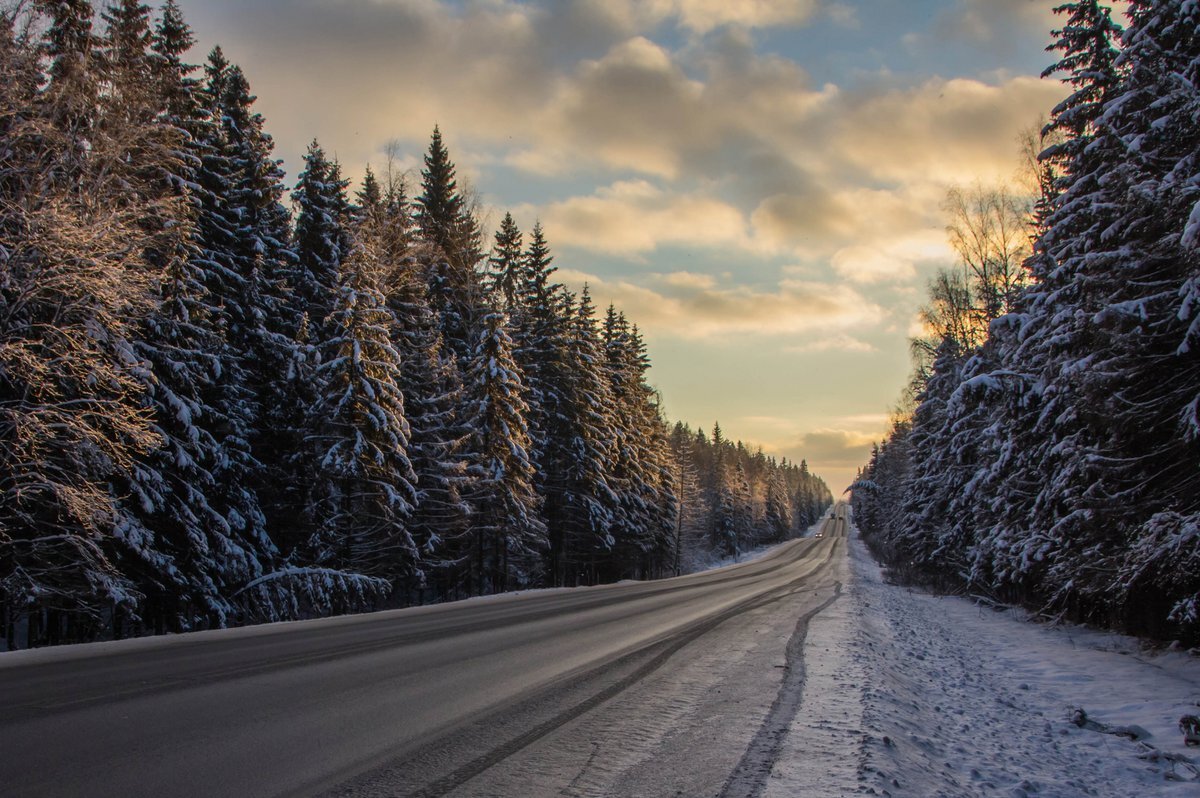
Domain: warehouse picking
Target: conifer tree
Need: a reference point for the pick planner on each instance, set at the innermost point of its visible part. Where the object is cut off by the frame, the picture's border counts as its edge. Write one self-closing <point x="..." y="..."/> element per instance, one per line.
<point x="581" y="502"/>
<point x="430" y="380"/>
<point x="505" y="266"/>
<point x="73" y="81"/>
<point x="446" y="223"/>
<point x="443" y="215"/>
<point x="1089" y="56"/>
<point x="321" y="238"/>
<point x="365" y="486"/>
<point x="778" y="509"/>
<point x="183" y="551"/>
<point x="242" y="233"/>
<point x="507" y="534"/>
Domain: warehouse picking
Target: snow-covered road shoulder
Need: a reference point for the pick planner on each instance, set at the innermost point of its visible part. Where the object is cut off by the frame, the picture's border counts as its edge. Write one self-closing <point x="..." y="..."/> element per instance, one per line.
<point x="910" y="694"/>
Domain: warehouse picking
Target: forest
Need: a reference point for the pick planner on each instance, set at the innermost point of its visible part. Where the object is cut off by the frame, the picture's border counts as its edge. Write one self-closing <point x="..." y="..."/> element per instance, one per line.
<point x="1048" y="451"/>
<point x="224" y="400"/>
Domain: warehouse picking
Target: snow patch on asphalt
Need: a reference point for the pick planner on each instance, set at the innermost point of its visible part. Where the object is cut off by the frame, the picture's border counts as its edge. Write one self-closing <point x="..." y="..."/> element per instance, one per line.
<point x="911" y="694"/>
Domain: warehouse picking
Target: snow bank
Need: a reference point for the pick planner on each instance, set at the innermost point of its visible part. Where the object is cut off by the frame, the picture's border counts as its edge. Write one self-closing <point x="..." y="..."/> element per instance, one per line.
<point x="909" y="694"/>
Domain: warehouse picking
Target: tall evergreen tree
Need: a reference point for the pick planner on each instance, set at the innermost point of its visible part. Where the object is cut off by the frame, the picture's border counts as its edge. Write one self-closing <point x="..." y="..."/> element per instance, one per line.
<point x="507" y="532"/>
<point x="1088" y="63"/>
<point x="365" y="486"/>
<point x="505" y="265"/>
<point x="321" y="238"/>
<point x="443" y="214"/>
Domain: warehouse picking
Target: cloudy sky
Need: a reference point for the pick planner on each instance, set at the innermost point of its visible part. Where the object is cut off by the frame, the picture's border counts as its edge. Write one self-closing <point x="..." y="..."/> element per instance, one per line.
<point x="757" y="183"/>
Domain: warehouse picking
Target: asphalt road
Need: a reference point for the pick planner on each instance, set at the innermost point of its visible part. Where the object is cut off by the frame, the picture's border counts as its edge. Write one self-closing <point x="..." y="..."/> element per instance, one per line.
<point x="430" y="696"/>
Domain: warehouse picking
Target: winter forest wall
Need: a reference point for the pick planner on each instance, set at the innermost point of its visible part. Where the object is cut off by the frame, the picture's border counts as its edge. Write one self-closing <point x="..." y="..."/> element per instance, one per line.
<point x="1052" y="453"/>
<point x="221" y="402"/>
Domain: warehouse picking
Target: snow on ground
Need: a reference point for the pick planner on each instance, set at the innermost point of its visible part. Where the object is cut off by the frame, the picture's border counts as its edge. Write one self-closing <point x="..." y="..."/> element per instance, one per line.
<point x="910" y="694"/>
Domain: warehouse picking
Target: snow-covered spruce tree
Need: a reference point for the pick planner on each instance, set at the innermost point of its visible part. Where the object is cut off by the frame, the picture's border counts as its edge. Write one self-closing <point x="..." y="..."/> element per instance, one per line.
<point x="72" y="77"/>
<point x="778" y="521"/>
<point x="321" y="238"/>
<point x="443" y="214"/>
<point x="364" y="486"/>
<point x="244" y="256"/>
<point x="1080" y="481"/>
<point x="546" y="334"/>
<point x="183" y="553"/>
<point x="506" y="265"/>
<point x="446" y="223"/>
<point x="731" y="499"/>
<point x="641" y="472"/>
<point x="811" y="497"/>
<point x="743" y="504"/>
<point x="942" y="445"/>
<point x="438" y="445"/>
<point x="1054" y="333"/>
<point x="75" y="279"/>
<point x="1076" y="345"/>
<point x="1146" y="379"/>
<point x="582" y="502"/>
<point x="430" y="381"/>
<point x="507" y="535"/>
<point x="691" y="521"/>
<point x="879" y="490"/>
<point x="1087" y="42"/>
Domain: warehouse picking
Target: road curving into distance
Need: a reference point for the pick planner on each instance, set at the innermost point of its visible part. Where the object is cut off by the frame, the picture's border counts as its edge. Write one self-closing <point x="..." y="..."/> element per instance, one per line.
<point x="418" y="701"/>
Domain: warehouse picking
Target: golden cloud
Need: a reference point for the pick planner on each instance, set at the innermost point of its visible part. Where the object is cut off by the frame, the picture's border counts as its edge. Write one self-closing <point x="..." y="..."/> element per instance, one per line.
<point x="702" y="16"/>
<point x="943" y="131"/>
<point x="695" y="307"/>
<point x="635" y="217"/>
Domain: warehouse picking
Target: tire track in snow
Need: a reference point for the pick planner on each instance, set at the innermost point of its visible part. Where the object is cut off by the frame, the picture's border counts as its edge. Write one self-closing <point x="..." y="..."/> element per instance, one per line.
<point x="749" y="778"/>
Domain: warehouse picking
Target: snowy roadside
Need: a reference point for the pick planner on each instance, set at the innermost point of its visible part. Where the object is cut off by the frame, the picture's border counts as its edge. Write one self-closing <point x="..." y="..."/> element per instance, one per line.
<point x="909" y="694"/>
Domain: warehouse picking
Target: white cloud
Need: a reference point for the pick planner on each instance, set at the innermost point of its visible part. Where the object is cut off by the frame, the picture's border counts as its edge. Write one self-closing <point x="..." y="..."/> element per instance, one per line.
<point x="705" y="15"/>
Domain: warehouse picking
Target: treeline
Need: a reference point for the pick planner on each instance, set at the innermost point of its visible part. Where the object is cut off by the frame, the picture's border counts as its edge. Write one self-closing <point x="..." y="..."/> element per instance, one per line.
<point x="217" y="407"/>
<point x="731" y="499"/>
<point x="1053" y="453"/>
